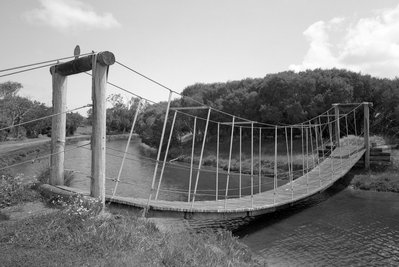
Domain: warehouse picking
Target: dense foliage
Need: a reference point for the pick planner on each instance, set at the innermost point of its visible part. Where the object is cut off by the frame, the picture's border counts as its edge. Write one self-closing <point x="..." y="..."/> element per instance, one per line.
<point x="15" y="109"/>
<point x="120" y="116"/>
<point x="282" y="98"/>
<point x="289" y="97"/>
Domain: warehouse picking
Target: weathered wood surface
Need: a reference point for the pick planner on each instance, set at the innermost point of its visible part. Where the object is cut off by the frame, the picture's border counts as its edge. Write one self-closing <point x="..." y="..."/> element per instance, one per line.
<point x="58" y="130"/>
<point x="379" y="156"/>
<point x="83" y="64"/>
<point x="99" y="88"/>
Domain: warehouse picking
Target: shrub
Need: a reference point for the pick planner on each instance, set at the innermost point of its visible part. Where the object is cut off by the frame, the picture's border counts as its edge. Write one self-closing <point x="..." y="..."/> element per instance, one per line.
<point x="14" y="191"/>
<point x="209" y="160"/>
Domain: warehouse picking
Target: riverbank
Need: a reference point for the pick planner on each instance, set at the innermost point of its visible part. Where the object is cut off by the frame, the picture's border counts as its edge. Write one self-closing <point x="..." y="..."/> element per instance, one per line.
<point x="34" y="233"/>
<point x="71" y="232"/>
<point x="385" y="180"/>
<point x="30" y="150"/>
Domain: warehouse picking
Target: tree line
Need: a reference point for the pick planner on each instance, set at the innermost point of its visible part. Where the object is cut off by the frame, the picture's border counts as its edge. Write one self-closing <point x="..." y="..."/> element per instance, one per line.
<point x="282" y="98"/>
<point x="15" y="109"/>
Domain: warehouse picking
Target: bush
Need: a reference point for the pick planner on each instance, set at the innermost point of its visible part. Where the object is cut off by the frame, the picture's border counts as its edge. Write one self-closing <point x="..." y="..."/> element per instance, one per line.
<point x="209" y="160"/>
<point x="14" y="191"/>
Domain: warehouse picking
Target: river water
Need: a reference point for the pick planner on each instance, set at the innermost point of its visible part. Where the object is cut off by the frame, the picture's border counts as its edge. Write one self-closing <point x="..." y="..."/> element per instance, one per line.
<point x="341" y="227"/>
<point x="137" y="173"/>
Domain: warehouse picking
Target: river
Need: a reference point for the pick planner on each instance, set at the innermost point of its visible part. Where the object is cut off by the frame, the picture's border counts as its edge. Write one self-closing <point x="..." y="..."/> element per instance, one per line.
<point x="341" y="227"/>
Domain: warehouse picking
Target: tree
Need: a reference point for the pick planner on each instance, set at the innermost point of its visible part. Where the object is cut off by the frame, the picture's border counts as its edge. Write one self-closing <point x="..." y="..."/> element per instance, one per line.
<point x="73" y="121"/>
<point x="9" y="89"/>
<point x="15" y="109"/>
<point x="38" y="110"/>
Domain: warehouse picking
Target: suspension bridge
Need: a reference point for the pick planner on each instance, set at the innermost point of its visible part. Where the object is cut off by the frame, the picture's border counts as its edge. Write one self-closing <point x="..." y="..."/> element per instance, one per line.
<point x="301" y="160"/>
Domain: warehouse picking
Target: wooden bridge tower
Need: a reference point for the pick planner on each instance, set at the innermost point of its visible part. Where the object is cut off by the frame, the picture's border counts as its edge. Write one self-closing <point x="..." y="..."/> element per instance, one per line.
<point x="99" y="64"/>
<point x="366" y="128"/>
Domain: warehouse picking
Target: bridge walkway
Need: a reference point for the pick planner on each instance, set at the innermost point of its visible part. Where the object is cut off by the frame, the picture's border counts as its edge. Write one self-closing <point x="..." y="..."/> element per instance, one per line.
<point x="318" y="179"/>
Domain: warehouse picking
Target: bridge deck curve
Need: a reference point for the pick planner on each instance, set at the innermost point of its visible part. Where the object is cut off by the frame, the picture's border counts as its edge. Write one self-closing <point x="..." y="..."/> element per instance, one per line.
<point x="318" y="179"/>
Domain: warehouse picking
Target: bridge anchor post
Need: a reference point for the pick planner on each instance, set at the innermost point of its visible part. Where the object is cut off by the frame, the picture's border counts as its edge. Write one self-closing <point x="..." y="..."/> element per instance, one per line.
<point x="58" y="129"/>
<point x="337" y="126"/>
<point x="366" y="135"/>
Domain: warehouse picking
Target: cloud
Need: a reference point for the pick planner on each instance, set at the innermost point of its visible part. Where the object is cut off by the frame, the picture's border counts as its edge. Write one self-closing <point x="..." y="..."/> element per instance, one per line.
<point x="70" y="14"/>
<point x="369" y="45"/>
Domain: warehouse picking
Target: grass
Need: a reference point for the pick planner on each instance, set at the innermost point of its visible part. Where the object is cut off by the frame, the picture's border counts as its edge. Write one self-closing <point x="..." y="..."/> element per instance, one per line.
<point x="386" y="180"/>
<point x="77" y="236"/>
<point x="43" y="176"/>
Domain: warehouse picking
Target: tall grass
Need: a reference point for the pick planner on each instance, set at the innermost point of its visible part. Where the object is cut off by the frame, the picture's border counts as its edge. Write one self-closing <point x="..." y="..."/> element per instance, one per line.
<point x="43" y="176"/>
<point x="384" y="182"/>
<point x="119" y="239"/>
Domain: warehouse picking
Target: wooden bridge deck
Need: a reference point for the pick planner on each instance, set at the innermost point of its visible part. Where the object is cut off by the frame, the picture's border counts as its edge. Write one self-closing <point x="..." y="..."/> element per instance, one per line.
<point x="317" y="180"/>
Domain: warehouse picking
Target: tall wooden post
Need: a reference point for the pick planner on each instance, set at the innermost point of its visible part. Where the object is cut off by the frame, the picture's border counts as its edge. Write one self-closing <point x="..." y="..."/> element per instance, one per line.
<point x="366" y="135"/>
<point x="337" y="128"/>
<point x="99" y="86"/>
<point x="58" y="129"/>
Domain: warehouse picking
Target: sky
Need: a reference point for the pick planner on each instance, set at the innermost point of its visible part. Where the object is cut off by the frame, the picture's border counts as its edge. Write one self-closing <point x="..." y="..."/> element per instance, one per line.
<point x="183" y="42"/>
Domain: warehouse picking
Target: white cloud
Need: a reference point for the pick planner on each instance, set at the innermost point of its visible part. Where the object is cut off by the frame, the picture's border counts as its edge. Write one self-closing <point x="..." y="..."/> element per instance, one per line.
<point x="70" y="14"/>
<point x="369" y="45"/>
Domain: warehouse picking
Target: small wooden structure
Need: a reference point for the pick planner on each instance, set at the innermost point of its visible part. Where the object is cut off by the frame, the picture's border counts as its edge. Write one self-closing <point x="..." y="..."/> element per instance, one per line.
<point x="99" y="64"/>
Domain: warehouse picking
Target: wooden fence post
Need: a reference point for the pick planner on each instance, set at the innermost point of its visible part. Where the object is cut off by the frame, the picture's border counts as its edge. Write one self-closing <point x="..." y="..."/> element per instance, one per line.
<point x="58" y="129"/>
